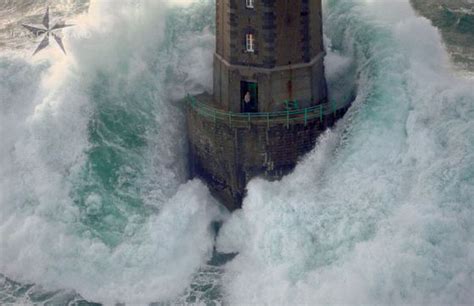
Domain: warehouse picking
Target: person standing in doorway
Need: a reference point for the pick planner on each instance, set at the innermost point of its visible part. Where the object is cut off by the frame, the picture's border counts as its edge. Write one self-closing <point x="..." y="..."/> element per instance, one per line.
<point x="247" y="100"/>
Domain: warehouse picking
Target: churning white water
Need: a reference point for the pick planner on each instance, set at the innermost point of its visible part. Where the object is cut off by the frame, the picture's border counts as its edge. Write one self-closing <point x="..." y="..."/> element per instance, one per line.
<point x="93" y="182"/>
<point x="93" y="171"/>
<point x="381" y="211"/>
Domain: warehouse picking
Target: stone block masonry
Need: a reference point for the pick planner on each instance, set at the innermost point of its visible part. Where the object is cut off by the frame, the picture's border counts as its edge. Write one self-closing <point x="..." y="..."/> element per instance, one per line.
<point x="227" y="156"/>
<point x="269" y="69"/>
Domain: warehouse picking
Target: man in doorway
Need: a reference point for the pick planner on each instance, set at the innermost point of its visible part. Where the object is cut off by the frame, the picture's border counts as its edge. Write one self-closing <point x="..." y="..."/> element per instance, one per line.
<point x="247" y="100"/>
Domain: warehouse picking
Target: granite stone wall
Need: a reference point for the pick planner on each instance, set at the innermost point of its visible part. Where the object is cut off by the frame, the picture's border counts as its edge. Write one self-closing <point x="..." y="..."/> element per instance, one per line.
<point x="288" y="50"/>
<point x="287" y="64"/>
<point x="228" y="157"/>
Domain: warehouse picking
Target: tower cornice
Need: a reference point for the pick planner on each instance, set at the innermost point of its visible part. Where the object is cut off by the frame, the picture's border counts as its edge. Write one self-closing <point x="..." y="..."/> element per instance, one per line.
<point x="258" y="69"/>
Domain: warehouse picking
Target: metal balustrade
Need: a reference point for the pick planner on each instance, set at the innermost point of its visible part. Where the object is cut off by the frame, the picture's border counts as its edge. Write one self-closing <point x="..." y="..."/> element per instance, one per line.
<point x="288" y="117"/>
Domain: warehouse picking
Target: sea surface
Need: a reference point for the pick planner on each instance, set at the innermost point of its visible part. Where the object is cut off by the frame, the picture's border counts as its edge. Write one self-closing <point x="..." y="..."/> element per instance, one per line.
<point x="95" y="198"/>
<point x="455" y="19"/>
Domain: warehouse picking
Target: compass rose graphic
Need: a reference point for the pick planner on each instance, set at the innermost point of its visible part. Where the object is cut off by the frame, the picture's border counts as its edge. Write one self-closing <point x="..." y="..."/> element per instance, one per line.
<point x="47" y="31"/>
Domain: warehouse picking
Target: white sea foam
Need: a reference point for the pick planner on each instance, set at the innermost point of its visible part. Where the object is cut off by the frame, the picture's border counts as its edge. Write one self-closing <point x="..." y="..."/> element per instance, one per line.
<point x="48" y="106"/>
<point x="381" y="211"/>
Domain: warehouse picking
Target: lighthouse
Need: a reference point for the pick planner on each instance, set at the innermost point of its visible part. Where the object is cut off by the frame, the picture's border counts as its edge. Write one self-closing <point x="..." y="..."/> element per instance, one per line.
<point x="270" y="99"/>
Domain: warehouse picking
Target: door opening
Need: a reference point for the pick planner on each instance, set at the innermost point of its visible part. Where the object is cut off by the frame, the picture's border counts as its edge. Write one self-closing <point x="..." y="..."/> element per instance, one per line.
<point x="248" y="97"/>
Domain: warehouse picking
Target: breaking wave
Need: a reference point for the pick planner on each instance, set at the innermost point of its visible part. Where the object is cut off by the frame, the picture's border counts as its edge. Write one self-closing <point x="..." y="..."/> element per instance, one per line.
<point x="94" y="185"/>
<point x="95" y="196"/>
<point x="381" y="211"/>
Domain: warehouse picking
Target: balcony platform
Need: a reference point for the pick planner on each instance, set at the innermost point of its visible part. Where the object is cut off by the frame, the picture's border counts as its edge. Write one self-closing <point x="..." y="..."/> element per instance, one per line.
<point x="228" y="149"/>
<point x="205" y="106"/>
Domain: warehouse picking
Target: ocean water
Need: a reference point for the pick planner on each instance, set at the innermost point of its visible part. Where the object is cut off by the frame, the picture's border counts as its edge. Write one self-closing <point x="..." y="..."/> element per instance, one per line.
<point x="455" y="19"/>
<point x="96" y="204"/>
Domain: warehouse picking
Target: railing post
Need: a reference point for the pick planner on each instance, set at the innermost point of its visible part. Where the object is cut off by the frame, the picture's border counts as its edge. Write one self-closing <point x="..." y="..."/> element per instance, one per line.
<point x="305" y="116"/>
<point x="320" y="112"/>
<point x="287" y="119"/>
<point x="248" y="117"/>
<point x="268" y="121"/>
<point x="230" y="119"/>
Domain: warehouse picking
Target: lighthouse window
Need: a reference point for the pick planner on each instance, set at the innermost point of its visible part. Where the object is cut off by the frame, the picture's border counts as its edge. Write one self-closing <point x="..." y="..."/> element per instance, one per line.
<point x="249" y="3"/>
<point x="249" y="43"/>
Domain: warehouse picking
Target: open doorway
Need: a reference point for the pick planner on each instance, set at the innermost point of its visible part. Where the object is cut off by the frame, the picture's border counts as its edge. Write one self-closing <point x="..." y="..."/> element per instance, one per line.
<point x="248" y="97"/>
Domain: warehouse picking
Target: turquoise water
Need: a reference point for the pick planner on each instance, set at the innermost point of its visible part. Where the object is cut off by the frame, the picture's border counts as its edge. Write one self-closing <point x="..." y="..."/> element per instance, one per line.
<point x="381" y="212"/>
<point x="97" y="206"/>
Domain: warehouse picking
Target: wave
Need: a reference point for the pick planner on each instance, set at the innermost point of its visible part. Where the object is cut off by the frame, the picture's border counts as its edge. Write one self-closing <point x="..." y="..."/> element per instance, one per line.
<point x="381" y="211"/>
<point x="95" y="193"/>
<point x="95" y="196"/>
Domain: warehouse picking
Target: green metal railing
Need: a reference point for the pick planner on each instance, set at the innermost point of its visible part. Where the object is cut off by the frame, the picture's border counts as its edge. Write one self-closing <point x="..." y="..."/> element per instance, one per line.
<point x="287" y="117"/>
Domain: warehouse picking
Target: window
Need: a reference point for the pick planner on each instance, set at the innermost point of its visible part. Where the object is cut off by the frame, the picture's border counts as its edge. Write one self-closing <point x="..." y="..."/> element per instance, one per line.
<point x="249" y="43"/>
<point x="249" y="3"/>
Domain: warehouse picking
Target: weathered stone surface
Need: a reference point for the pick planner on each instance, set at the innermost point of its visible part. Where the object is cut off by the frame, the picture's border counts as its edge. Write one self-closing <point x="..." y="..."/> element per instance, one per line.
<point x="288" y="49"/>
<point x="227" y="157"/>
<point x="286" y="65"/>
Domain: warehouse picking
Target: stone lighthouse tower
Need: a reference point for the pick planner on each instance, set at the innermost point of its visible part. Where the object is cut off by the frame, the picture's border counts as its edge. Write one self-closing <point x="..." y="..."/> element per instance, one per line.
<point x="270" y="96"/>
